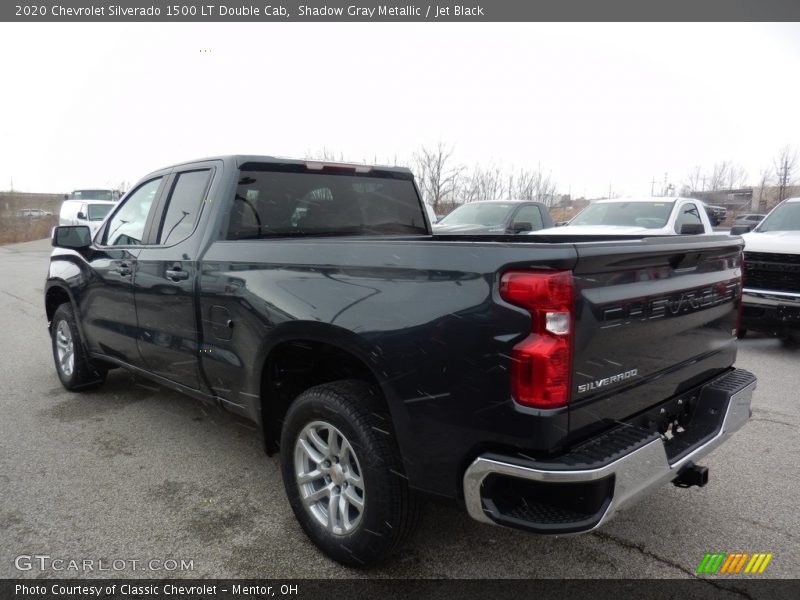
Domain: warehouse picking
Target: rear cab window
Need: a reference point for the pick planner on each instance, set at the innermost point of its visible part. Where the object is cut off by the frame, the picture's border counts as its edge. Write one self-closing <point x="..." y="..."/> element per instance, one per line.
<point x="274" y="200"/>
<point x="97" y="212"/>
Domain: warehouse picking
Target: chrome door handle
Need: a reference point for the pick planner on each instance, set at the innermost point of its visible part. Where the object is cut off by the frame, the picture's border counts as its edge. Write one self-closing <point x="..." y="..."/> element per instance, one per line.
<point x="177" y="274"/>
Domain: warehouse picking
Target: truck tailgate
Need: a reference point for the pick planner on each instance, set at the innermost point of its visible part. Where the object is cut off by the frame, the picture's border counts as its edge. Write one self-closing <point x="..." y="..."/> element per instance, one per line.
<point x="653" y="318"/>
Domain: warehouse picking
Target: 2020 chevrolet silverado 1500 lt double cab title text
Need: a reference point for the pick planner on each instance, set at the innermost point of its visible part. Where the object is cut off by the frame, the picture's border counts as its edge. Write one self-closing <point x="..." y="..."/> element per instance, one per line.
<point x="545" y="383"/>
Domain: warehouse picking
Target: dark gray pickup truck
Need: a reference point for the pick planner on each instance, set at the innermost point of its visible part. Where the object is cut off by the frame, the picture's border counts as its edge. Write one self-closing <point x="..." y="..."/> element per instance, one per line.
<point x="542" y="383"/>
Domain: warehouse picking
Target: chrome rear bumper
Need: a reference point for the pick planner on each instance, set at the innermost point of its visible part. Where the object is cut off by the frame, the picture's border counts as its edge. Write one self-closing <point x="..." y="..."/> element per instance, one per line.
<point x="623" y="480"/>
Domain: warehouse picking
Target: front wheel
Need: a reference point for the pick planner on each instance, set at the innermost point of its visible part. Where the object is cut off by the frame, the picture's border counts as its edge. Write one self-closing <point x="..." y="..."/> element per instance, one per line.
<point x="343" y="473"/>
<point x="75" y="370"/>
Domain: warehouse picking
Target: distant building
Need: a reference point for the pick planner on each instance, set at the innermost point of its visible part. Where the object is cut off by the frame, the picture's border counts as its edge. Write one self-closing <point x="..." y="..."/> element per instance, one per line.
<point x="737" y="200"/>
<point x="745" y="200"/>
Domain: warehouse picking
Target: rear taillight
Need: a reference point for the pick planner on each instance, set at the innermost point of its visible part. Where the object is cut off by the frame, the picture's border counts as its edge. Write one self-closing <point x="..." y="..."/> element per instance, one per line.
<point x="541" y="368"/>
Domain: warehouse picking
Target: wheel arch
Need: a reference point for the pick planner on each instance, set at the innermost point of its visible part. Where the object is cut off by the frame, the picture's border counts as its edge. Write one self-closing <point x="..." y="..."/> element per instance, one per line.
<point x="303" y="356"/>
<point x="56" y="294"/>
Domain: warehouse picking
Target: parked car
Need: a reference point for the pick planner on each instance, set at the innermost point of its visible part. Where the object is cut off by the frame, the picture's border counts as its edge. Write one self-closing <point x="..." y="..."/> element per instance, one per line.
<point x="494" y="217"/>
<point x="637" y="216"/>
<point x="772" y="272"/>
<point x="84" y="212"/>
<point x="716" y="214"/>
<point x="33" y="213"/>
<point x="745" y="223"/>
<point x="95" y="194"/>
<point x="542" y="385"/>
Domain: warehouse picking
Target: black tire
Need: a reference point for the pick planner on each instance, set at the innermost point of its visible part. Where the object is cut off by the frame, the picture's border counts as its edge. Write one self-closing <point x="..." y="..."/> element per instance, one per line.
<point x="84" y="373"/>
<point x="390" y="509"/>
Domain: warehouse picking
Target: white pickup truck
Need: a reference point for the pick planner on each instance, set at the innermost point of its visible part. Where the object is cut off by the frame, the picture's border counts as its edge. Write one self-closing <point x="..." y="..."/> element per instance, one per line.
<point x="772" y="272"/>
<point x="638" y="216"/>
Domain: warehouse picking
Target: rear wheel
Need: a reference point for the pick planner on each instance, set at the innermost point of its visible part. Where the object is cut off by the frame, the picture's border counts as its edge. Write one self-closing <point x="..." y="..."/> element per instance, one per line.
<point x="343" y="473"/>
<point x="75" y="370"/>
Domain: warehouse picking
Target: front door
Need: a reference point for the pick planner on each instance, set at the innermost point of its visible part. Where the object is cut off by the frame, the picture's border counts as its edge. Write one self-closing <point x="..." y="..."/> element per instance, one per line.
<point x="107" y="305"/>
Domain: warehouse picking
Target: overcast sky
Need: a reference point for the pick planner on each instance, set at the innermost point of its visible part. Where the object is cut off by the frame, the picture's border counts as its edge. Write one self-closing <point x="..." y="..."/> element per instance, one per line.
<point x="596" y="104"/>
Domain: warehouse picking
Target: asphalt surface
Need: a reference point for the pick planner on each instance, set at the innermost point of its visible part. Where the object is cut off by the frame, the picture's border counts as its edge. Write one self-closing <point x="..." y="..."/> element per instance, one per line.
<point x="135" y="472"/>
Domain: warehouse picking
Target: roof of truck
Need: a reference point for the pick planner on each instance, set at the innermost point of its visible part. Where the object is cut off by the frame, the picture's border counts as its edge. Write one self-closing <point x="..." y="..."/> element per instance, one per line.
<point x="640" y="199"/>
<point x="241" y="159"/>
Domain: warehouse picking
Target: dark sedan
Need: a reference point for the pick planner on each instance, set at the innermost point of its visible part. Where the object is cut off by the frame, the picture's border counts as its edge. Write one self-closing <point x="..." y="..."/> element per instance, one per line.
<point x="495" y="217"/>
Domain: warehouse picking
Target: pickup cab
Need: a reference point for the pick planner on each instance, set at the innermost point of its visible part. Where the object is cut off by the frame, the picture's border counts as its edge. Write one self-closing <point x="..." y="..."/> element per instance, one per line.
<point x="638" y="216"/>
<point x="542" y="382"/>
<point x="493" y="217"/>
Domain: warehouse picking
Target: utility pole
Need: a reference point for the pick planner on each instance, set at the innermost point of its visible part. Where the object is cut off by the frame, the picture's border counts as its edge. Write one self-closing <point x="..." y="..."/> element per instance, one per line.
<point x="664" y="189"/>
<point x="652" y="186"/>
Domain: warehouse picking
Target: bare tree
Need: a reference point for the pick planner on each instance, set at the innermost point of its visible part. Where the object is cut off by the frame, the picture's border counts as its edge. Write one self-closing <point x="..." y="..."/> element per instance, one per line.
<point x="436" y="175"/>
<point x="695" y="179"/>
<point x="785" y="165"/>
<point x="737" y="177"/>
<point x="725" y="175"/>
<point x="324" y="154"/>
<point x="482" y="184"/>
<point x="763" y="182"/>
<point x="532" y="185"/>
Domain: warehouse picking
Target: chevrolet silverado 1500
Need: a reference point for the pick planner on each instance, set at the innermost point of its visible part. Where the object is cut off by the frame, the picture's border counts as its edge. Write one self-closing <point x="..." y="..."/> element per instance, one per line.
<point x="544" y="383"/>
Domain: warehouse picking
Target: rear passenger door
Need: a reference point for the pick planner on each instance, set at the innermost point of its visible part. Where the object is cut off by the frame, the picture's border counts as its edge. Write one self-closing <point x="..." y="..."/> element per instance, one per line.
<point x="164" y="285"/>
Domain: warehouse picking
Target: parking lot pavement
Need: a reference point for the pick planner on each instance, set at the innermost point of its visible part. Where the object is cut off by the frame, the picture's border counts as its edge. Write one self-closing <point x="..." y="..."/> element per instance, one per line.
<point x="135" y="472"/>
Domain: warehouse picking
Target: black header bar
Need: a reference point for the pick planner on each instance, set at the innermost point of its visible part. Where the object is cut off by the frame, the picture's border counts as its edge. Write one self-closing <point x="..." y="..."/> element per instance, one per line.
<point x="366" y="10"/>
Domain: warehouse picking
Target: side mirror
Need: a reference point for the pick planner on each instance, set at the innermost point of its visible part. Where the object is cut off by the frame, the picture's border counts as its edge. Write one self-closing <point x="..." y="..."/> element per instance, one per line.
<point x="81" y="215"/>
<point x="71" y="236"/>
<point x="521" y="226"/>
<point x="740" y="229"/>
<point x="692" y="229"/>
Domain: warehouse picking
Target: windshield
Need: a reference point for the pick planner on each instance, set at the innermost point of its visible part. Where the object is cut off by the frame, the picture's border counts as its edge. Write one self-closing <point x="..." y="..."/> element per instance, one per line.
<point x="485" y="213"/>
<point x="650" y="215"/>
<point x="92" y="195"/>
<point x="784" y="218"/>
<point x="98" y="212"/>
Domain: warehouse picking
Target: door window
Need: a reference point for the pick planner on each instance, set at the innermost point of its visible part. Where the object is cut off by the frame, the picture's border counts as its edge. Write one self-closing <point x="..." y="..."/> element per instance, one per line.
<point x="530" y="214"/>
<point x="689" y="216"/>
<point x="126" y="227"/>
<point x="184" y="206"/>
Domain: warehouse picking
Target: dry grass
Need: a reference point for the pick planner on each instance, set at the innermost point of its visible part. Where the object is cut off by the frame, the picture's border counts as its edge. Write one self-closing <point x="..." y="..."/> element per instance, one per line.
<point x="19" y="229"/>
<point x="562" y="214"/>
